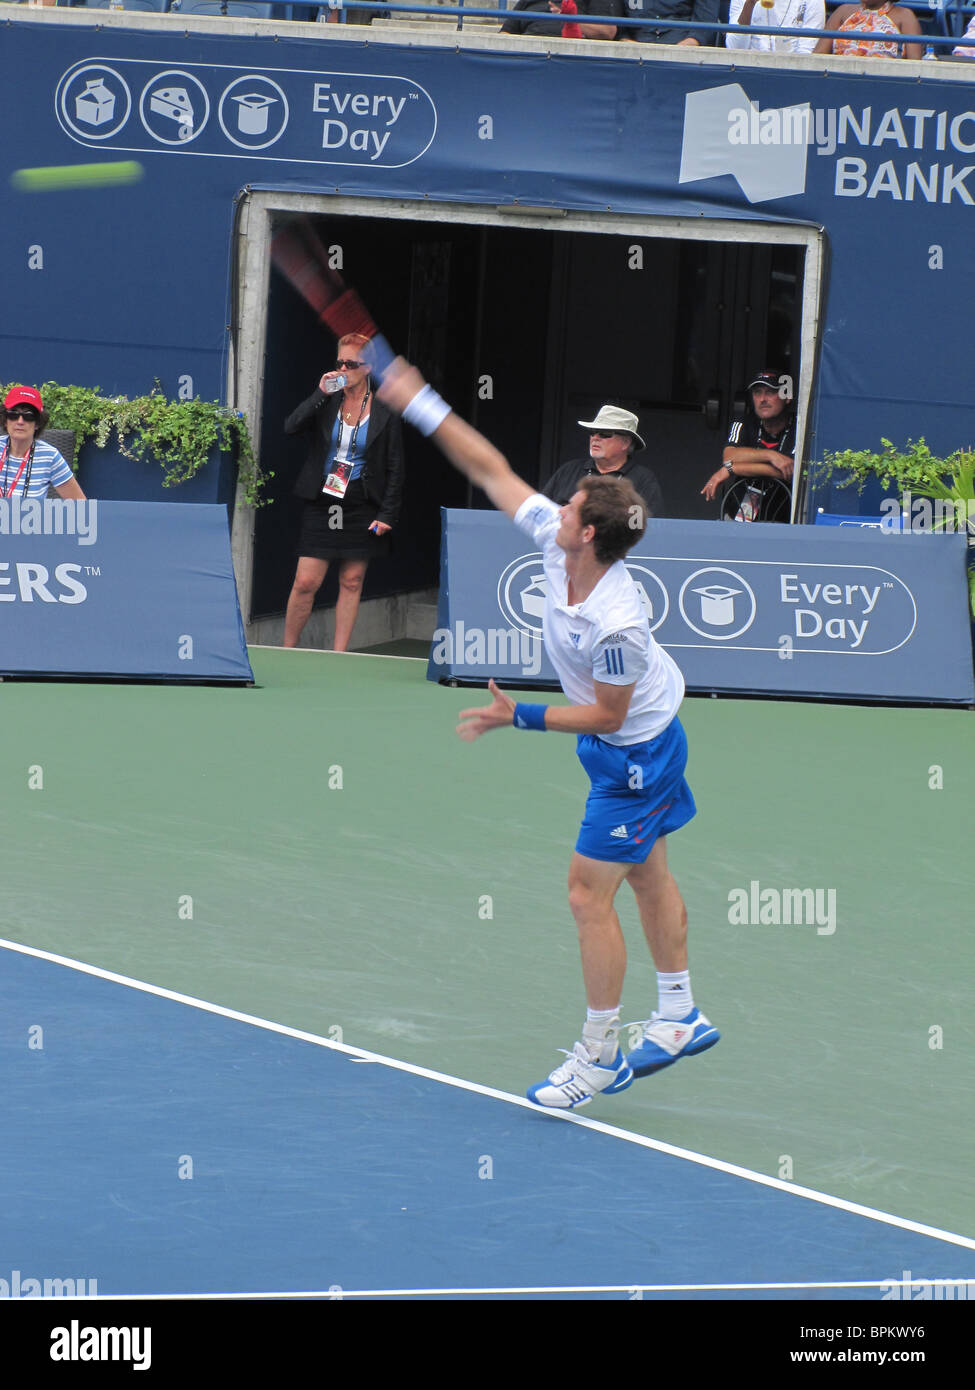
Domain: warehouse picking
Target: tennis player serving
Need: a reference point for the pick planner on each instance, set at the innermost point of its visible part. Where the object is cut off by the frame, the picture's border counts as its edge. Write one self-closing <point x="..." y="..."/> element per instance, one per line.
<point x="624" y="692"/>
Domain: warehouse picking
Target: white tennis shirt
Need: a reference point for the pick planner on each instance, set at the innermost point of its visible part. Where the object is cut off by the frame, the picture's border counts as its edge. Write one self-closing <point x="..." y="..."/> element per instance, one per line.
<point x="605" y="638"/>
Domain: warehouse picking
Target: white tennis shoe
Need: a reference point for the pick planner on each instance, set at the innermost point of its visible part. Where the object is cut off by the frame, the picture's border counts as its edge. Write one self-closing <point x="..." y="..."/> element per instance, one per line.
<point x="579" y="1078"/>
<point x="665" y="1040"/>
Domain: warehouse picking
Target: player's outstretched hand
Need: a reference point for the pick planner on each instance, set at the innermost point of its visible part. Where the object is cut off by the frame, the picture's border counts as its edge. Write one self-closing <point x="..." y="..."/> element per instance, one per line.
<point x="401" y="383"/>
<point x="497" y="715"/>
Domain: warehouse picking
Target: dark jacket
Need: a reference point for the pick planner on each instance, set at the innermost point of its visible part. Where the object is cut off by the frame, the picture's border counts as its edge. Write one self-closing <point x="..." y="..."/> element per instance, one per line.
<point x="382" y="473"/>
<point x="699" y="11"/>
<point x="564" y="482"/>
<point x="526" y="18"/>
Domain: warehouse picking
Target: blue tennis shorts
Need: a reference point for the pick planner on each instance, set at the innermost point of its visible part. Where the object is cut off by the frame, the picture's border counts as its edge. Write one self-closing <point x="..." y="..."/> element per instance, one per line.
<point x="638" y="793"/>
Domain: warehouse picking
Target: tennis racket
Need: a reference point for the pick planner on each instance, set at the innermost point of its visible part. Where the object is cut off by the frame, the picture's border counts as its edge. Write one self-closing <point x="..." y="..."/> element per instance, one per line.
<point x="299" y="255"/>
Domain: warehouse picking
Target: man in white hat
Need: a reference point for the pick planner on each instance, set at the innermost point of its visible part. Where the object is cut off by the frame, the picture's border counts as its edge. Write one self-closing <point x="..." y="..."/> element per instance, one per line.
<point x="613" y="446"/>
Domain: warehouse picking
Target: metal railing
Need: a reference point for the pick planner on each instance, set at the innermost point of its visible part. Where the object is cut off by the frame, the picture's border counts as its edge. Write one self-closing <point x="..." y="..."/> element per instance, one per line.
<point x="951" y="15"/>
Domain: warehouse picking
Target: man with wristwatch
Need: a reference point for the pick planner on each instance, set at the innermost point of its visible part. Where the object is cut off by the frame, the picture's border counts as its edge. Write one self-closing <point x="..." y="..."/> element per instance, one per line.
<point x="764" y="444"/>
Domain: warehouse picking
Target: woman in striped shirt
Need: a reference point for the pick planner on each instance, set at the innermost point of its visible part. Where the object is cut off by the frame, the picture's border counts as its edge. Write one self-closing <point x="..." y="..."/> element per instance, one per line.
<point x="28" y="466"/>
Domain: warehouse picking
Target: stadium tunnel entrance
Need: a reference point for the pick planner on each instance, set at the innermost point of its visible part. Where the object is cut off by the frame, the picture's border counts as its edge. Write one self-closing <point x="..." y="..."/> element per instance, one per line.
<point x="526" y="320"/>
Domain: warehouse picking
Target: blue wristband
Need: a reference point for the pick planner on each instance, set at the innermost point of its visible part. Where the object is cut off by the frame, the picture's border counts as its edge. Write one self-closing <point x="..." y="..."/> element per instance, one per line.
<point x="530" y="717"/>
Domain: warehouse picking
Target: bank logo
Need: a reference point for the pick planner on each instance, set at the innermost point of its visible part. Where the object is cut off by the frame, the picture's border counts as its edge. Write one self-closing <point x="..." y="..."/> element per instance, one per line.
<point x="93" y="102"/>
<point x="717" y="603"/>
<point x="762" y="171"/>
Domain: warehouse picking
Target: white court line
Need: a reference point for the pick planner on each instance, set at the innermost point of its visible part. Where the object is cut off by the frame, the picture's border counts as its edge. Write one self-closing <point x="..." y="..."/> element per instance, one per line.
<point x="337" y="1293"/>
<point x="362" y="1055"/>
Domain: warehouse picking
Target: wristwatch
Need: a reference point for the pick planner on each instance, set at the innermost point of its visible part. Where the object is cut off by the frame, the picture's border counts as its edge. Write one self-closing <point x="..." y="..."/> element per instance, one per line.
<point x="730" y="467"/>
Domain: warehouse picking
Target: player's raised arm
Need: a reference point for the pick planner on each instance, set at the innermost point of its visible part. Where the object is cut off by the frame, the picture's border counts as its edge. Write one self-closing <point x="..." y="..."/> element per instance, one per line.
<point x="405" y="391"/>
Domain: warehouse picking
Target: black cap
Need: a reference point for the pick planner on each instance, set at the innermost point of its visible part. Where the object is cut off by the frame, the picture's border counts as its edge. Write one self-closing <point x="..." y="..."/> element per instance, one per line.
<point x="770" y="379"/>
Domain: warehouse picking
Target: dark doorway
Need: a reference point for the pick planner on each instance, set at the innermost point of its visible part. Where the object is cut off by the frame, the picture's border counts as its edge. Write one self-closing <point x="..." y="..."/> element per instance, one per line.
<point x="527" y="331"/>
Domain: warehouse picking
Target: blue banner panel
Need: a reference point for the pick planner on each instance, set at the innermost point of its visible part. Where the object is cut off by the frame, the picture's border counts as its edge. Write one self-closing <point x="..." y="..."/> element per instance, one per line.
<point x="879" y="157"/>
<point x="142" y="590"/>
<point x="780" y="610"/>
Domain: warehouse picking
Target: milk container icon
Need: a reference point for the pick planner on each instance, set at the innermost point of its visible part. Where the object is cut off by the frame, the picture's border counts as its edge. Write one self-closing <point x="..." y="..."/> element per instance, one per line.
<point x="533" y="598"/>
<point x="717" y="604"/>
<point x="96" y="104"/>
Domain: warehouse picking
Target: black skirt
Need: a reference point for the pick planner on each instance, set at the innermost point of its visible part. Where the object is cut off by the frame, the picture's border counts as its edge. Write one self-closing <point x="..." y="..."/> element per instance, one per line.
<point x="335" y="528"/>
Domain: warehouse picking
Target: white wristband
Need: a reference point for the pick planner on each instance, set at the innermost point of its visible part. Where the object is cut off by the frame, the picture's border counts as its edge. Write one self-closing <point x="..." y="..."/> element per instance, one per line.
<point x="426" y="411"/>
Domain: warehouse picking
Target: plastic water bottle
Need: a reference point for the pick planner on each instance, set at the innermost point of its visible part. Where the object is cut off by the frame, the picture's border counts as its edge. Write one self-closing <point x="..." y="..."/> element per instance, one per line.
<point x="335" y="383"/>
<point x="116" y="4"/>
<point x="929" y="52"/>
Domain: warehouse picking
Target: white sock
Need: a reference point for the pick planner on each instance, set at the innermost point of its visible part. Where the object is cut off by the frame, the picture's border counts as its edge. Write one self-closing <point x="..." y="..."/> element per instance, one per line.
<point x="600" y="1034"/>
<point x="674" y="998"/>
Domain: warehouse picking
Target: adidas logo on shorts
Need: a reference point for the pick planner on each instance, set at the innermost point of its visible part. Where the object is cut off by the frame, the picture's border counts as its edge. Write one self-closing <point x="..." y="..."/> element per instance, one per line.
<point x="620" y="833"/>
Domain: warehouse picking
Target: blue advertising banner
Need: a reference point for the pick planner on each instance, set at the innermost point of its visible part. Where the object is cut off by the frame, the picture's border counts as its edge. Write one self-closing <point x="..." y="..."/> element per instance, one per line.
<point x="139" y="590"/>
<point x="837" y="613"/>
<point x="881" y="159"/>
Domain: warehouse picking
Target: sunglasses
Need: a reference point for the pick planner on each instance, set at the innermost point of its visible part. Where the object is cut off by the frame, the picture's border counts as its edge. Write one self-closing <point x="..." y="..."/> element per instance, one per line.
<point x="21" y="415"/>
<point x="607" y="434"/>
<point x="348" y="363"/>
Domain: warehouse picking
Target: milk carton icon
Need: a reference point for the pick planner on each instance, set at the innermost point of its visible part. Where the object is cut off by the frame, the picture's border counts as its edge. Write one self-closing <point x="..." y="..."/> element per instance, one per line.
<point x="717" y="604"/>
<point x="96" y="104"/>
<point x="252" y="113"/>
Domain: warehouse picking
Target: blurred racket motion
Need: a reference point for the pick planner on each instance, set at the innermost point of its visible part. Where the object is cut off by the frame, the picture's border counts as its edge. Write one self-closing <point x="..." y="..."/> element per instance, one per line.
<point x="301" y="258"/>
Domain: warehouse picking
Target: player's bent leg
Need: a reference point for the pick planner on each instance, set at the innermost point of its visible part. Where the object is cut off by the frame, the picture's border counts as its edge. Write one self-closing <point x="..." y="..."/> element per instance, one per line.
<point x="663" y="915"/>
<point x="593" y="885"/>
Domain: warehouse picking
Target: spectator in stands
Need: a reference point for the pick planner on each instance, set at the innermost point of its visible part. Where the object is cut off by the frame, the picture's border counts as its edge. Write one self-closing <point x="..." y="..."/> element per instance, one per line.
<point x="351" y="483"/>
<point x="875" y="18"/>
<point x="763" y="445"/>
<point x="352" y="16"/>
<point x="961" y="51"/>
<point x="572" y="13"/>
<point x="697" y="11"/>
<point x="28" y="466"/>
<point x="773" y="15"/>
<point x="613" y="444"/>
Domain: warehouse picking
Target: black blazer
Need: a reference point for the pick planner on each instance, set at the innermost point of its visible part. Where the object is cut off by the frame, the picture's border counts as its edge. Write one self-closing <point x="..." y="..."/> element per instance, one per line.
<point x="382" y="473"/>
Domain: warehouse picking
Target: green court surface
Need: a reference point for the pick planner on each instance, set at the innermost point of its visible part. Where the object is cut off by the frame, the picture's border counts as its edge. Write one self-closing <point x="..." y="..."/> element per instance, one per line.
<point x="324" y="852"/>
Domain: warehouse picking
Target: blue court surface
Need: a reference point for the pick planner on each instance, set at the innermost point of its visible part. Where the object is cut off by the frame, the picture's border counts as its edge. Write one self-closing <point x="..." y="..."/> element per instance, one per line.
<point x="162" y="1146"/>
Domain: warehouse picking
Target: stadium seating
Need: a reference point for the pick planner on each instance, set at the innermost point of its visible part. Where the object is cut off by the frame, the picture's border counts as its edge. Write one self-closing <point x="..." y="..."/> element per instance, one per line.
<point x="242" y="9"/>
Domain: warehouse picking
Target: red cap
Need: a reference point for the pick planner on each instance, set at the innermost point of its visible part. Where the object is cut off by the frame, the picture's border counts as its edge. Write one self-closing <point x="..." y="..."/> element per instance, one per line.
<point x="23" y="395"/>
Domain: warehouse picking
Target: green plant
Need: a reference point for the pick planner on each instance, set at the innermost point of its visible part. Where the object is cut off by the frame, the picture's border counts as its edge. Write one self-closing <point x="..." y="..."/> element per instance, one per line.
<point x="180" y="435"/>
<point x="948" y="483"/>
